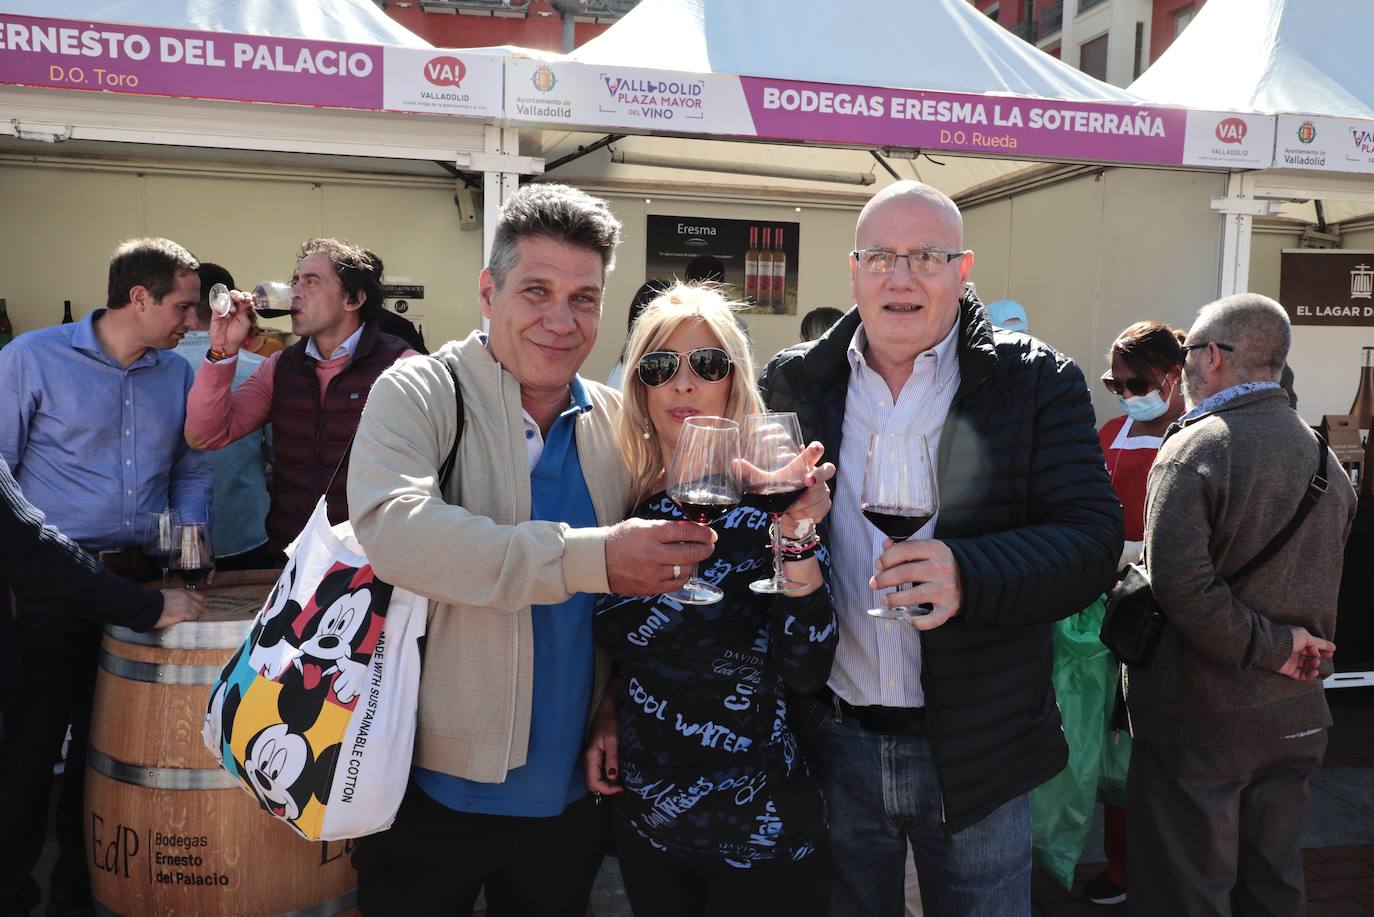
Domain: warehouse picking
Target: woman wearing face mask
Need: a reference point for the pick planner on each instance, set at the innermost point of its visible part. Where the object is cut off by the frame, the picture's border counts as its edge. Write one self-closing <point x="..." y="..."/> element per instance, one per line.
<point x="1146" y="377"/>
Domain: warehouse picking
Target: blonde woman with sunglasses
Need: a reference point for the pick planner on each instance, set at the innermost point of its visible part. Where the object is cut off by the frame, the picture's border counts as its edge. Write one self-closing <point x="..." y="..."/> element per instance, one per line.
<point x="715" y="810"/>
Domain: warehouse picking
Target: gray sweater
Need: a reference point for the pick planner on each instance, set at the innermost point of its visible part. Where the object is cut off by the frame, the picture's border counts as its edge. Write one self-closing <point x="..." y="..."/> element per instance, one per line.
<point x="1222" y="486"/>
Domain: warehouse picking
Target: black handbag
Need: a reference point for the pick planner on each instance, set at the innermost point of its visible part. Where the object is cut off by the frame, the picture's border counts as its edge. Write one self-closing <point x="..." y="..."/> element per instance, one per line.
<point x="1134" y="618"/>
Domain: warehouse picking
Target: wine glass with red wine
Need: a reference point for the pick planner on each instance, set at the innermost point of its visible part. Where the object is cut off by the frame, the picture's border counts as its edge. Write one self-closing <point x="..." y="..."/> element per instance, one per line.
<point x="899" y="497"/>
<point x="192" y="556"/>
<point x="774" y="477"/>
<point x="157" y="536"/>
<point x="704" y="483"/>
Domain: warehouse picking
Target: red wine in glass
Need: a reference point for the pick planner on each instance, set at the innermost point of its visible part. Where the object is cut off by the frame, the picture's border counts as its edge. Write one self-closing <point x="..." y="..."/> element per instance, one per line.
<point x="704" y="505"/>
<point x="896" y="522"/>
<point x="899" y="497"/>
<point x="194" y="576"/>
<point x="192" y="556"/>
<point x="704" y="483"/>
<point x="773" y="499"/>
<point x="774" y="477"/>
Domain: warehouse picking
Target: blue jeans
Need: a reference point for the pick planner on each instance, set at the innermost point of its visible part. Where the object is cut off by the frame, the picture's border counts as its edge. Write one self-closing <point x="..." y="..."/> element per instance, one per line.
<point x="881" y="794"/>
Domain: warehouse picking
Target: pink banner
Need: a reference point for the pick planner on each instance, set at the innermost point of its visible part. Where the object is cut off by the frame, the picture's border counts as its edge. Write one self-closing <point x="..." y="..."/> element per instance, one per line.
<point x="72" y="54"/>
<point x="998" y="126"/>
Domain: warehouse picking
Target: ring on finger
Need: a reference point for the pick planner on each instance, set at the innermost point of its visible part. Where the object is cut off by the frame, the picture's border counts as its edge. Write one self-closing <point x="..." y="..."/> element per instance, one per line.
<point x="677" y="571"/>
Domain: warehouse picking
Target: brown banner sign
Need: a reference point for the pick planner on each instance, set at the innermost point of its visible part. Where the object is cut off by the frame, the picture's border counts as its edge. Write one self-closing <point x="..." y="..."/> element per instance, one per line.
<point x="1327" y="286"/>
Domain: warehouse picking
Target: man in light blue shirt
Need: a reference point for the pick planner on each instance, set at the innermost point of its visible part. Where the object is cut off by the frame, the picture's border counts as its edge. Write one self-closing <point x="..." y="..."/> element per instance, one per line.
<point x="241" y="499"/>
<point x="91" y="425"/>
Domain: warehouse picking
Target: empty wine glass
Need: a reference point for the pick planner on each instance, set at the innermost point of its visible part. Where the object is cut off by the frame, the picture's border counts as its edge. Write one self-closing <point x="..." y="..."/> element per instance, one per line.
<point x="271" y="299"/>
<point x="219" y="300"/>
<point x="192" y="557"/>
<point x="774" y="476"/>
<point x="899" y="497"/>
<point x="704" y="483"/>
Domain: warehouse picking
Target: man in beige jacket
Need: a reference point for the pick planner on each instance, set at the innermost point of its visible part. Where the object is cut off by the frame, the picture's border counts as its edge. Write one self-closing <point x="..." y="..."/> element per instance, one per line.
<point x="528" y="529"/>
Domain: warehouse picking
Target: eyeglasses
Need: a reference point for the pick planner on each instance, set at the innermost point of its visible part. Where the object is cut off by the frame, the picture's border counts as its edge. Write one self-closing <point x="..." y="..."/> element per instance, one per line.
<point x="878" y="261"/>
<point x="1137" y="387"/>
<point x="1202" y="345"/>
<point x="711" y="364"/>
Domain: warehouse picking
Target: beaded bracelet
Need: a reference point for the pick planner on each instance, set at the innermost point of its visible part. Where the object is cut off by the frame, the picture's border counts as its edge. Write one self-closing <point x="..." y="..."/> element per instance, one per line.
<point x="794" y="549"/>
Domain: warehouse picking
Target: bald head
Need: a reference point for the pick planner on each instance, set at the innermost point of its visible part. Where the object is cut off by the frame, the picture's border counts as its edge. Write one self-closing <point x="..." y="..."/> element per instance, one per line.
<point x="916" y="196"/>
<point x="1256" y="326"/>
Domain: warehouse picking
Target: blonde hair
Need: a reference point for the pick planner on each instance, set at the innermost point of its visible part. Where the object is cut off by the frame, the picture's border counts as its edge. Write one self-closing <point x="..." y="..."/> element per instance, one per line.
<point x="675" y="306"/>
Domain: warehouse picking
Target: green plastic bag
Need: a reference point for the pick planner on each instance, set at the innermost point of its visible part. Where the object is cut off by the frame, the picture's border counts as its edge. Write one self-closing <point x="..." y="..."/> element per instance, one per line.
<point x="1085" y="677"/>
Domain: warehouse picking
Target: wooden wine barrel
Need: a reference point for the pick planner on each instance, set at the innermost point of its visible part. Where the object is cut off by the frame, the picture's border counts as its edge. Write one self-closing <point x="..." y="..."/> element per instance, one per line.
<point x="168" y="830"/>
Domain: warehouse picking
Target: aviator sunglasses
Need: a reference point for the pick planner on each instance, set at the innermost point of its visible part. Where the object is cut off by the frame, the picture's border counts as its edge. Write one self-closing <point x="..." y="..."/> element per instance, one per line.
<point x="1137" y="387"/>
<point x="711" y="364"/>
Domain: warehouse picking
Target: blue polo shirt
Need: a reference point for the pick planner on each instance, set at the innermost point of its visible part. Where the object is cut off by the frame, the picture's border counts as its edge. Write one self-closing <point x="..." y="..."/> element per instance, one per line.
<point x="551" y="777"/>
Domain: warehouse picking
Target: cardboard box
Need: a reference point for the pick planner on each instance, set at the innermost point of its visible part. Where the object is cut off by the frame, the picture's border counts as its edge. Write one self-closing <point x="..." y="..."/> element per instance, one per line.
<point x="1343" y="436"/>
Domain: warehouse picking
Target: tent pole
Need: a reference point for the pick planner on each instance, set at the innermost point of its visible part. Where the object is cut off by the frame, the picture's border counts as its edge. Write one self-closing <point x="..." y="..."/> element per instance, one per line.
<point x="497" y="187"/>
<point x="1237" y="227"/>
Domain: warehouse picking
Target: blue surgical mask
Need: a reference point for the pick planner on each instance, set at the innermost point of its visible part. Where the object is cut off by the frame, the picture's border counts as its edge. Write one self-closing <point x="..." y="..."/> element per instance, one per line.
<point x="1144" y="408"/>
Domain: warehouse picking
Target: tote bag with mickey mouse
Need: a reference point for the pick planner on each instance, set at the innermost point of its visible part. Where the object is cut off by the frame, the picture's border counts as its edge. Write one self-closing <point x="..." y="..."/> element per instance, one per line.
<point x="315" y="713"/>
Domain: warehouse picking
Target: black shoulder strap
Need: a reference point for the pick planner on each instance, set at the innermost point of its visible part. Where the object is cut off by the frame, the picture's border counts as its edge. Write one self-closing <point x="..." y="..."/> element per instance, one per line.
<point x="1315" y="488"/>
<point x="446" y="469"/>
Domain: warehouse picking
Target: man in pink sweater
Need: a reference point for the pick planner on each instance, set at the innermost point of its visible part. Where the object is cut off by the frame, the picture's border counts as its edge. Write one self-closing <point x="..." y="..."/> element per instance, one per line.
<point x="312" y="392"/>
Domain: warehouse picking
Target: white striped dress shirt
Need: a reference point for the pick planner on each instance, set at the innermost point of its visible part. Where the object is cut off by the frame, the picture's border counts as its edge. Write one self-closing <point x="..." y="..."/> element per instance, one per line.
<point x="878" y="660"/>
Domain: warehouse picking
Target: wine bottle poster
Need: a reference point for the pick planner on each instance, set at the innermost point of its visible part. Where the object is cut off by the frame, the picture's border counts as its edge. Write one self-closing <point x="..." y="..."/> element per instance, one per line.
<point x="1327" y="286"/>
<point x="758" y="258"/>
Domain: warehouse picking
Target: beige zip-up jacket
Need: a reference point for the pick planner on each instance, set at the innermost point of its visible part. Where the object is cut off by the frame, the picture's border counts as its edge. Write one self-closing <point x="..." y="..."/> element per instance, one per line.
<point x="474" y="552"/>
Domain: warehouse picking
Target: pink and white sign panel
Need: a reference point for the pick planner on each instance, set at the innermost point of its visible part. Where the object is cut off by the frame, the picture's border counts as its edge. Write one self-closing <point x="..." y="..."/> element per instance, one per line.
<point x="74" y="54"/>
<point x="571" y="93"/>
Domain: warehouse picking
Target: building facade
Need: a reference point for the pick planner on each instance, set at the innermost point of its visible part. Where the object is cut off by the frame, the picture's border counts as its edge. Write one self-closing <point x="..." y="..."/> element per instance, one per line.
<point x="549" y="25"/>
<point x="1113" y="40"/>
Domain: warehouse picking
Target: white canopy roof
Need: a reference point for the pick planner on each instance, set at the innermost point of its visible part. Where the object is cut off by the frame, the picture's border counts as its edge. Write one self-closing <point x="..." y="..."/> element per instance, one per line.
<point x="1295" y="56"/>
<point x="359" y="21"/>
<point x="1275" y="56"/>
<point x="938" y="45"/>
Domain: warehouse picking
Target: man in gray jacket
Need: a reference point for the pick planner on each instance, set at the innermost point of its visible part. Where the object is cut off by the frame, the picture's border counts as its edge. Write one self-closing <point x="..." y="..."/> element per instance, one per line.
<point x="510" y="554"/>
<point x="1229" y="717"/>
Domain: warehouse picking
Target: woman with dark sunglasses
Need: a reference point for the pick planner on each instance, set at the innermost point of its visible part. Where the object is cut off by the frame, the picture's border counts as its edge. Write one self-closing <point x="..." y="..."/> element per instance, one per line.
<point x="1146" y="377"/>
<point x="716" y="812"/>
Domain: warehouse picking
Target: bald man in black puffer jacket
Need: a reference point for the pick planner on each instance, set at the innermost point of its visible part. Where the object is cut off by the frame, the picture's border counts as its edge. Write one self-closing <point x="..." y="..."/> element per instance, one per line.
<point x="1028" y="532"/>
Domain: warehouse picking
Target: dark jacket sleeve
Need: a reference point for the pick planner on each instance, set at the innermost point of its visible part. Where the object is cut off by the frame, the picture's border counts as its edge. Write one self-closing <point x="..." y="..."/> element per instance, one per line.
<point x="1065" y="556"/>
<point x="42" y="564"/>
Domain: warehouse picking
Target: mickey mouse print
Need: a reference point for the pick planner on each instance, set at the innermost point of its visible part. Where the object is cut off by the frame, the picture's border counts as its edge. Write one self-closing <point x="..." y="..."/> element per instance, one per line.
<point x="315" y="714"/>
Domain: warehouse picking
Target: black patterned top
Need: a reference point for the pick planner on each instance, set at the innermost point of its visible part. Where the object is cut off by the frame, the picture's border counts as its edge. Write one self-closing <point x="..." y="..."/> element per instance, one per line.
<point x="709" y="765"/>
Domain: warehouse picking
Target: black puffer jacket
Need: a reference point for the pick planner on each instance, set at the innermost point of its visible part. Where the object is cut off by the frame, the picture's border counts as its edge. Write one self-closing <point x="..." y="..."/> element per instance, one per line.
<point x="1029" y="513"/>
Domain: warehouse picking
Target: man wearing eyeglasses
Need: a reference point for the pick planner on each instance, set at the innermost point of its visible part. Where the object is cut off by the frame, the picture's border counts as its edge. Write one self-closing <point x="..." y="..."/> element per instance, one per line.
<point x="1229" y="716"/>
<point x="933" y="730"/>
<point x="510" y="554"/>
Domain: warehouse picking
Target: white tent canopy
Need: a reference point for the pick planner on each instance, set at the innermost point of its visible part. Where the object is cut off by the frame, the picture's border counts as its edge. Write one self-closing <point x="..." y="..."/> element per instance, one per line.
<point x="338" y="20"/>
<point x="937" y="45"/>
<point x="1283" y="57"/>
<point x="1273" y="56"/>
<point x="944" y="46"/>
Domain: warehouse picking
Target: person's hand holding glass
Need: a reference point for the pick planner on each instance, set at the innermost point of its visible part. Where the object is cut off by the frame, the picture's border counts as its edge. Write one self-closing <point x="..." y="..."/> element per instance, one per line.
<point x="231" y="312"/>
<point x="704" y="483"/>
